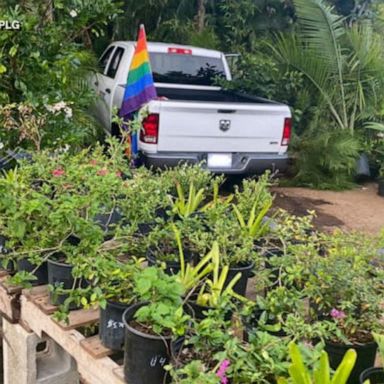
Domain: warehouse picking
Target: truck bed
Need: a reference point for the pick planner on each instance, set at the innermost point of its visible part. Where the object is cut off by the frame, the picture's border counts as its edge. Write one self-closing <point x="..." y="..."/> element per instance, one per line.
<point x="210" y="95"/>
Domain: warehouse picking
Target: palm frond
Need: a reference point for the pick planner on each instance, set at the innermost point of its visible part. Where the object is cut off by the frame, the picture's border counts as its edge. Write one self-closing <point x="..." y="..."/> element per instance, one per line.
<point x="322" y="30"/>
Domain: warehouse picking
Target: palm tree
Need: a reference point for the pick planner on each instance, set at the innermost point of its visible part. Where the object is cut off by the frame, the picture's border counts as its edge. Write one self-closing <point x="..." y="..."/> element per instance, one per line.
<point x="344" y="65"/>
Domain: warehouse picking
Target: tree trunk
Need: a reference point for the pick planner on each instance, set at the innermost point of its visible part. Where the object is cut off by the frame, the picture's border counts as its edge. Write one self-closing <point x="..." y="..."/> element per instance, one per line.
<point x="200" y="15"/>
<point x="48" y="14"/>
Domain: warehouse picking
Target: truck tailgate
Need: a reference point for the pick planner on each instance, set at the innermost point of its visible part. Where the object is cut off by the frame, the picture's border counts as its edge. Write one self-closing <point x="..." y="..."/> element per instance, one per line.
<point x="221" y="127"/>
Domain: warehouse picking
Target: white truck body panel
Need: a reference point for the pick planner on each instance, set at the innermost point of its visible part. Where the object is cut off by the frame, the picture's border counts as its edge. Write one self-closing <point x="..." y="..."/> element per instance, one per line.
<point x="191" y="129"/>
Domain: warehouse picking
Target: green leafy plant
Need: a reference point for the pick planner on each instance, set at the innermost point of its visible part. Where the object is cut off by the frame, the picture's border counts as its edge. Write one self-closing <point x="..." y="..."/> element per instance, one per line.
<point x="380" y="342"/>
<point x="44" y="94"/>
<point x="299" y="373"/>
<point x="255" y="225"/>
<point x="195" y="372"/>
<point x="259" y="360"/>
<point x="344" y="287"/>
<point x="163" y="311"/>
<point x="111" y="279"/>
<point x="183" y="206"/>
<point x="190" y="276"/>
<point x="213" y="289"/>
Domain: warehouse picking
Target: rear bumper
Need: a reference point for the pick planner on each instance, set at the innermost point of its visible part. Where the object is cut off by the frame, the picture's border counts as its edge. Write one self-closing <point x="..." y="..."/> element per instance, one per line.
<point x="242" y="163"/>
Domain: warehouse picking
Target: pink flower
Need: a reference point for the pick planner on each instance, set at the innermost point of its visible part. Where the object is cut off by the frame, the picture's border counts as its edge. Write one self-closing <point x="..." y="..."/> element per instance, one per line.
<point x="337" y="315"/>
<point x="118" y="174"/>
<point x="222" y="370"/>
<point x="58" y="172"/>
<point x="93" y="162"/>
<point x="102" y="172"/>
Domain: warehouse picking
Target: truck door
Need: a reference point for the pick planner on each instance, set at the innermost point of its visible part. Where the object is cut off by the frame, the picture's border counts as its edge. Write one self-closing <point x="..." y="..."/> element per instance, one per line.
<point x="98" y="83"/>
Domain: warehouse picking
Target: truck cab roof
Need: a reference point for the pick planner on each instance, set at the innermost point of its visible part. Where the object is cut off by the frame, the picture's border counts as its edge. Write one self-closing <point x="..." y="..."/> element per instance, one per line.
<point x="166" y="47"/>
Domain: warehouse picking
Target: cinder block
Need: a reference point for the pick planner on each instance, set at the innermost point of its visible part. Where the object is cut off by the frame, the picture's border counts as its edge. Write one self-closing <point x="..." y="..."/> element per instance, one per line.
<point x="29" y="359"/>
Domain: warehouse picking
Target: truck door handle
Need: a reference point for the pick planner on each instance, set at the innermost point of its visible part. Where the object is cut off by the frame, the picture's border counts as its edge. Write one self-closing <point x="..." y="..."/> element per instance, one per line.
<point x="107" y="90"/>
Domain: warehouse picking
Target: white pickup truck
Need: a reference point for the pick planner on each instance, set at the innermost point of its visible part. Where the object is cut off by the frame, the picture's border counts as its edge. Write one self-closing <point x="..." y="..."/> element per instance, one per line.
<point x="193" y="120"/>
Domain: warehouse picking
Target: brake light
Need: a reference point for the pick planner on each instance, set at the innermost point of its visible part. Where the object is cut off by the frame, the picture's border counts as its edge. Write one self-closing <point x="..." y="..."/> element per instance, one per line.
<point x="287" y="131"/>
<point x="180" y="51"/>
<point x="150" y="131"/>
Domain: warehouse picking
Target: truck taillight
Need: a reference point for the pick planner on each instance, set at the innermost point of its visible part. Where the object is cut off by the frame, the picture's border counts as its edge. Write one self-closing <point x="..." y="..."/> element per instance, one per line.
<point x="287" y="131"/>
<point x="150" y="130"/>
<point x="180" y="51"/>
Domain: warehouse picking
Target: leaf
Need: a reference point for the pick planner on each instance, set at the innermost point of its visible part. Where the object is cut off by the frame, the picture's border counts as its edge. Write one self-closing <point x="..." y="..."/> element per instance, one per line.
<point x="298" y="371"/>
<point x="322" y="373"/>
<point x="84" y="301"/>
<point x="345" y="368"/>
<point x="3" y="69"/>
<point x="13" y="50"/>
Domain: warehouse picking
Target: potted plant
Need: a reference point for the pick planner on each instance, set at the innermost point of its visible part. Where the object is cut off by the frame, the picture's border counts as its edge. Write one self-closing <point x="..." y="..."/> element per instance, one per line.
<point x="145" y="201"/>
<point x="187" y="206"/>
<point x="23" y="213"/>
<point x="195" y="372"/>
<point x="345" y="291"/>
<point x="151" y="324"/>
<point x="236" y="251"/>
<point x="299" y="373"/>
<point x="375" y="375"/>
<point x="111" y="287"/>
<point x="162" y="245"/>
<point x="203" y="349"/>
<point x="214" y="289"/>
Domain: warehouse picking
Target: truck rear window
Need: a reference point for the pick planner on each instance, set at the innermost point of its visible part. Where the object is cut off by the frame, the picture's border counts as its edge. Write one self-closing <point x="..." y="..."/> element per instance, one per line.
<point x="185" y="69"/>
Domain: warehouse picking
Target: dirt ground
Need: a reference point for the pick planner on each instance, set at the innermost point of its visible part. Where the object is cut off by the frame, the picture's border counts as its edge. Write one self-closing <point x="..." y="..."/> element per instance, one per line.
<point x="359" y="209"/>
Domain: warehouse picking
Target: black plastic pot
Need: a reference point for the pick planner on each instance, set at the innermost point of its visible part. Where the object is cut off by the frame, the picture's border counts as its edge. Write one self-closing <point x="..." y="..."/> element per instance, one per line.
<point x="107" y="220"/>
<point x="171" y="267"/>
<point x="381" y="187"/>
<point x="41" y="273"/>
<point x="111" y="328"/>
<point x="162" y="213"/>
<point x="145" y="228"/>
<point x="374" y="375"/>
<point x="73" y="240"/>
<point x="246" y="272"/>
<point x="144" y="355"/>
<point x="366" y="354"/>
<point x="60" y="274"/>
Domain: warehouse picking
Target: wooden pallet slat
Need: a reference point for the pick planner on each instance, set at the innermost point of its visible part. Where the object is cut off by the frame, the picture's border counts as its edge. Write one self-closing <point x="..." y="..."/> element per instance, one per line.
<point x="9" y="288"/>
<point x="80" y="318"/>
<point x="9" y="305"/>
<point x="94" y="347"/>
<point x="9" y="299"/>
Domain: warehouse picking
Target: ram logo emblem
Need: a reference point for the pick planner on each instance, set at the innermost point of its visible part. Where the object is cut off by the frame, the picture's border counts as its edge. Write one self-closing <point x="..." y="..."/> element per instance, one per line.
<point x="224" y="125"/>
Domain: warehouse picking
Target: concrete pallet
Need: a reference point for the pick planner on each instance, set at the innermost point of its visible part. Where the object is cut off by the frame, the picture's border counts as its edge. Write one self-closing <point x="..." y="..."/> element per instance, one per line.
<point x="94" y="362"/>
<point x="29" y="359"/>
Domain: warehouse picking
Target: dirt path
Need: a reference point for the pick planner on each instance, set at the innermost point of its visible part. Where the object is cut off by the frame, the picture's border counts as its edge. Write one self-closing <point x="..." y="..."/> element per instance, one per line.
<point x="359" y="209"/>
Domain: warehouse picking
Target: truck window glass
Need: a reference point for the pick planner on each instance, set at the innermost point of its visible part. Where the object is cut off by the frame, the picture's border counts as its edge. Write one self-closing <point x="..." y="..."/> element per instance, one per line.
<point x="114" y="63"/>
<point x="103" y="61"/>
<point x="186" y="69"/>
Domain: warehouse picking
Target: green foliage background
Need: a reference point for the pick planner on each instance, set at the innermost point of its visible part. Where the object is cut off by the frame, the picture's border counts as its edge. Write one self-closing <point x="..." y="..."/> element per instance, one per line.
<point x="48" y="60"/>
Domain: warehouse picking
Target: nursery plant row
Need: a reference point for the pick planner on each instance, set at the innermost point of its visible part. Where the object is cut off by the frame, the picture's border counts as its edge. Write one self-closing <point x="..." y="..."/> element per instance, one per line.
<point x="194" y="285"/>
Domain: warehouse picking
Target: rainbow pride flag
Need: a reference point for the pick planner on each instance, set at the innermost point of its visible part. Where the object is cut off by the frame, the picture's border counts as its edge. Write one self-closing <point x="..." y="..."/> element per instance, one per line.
<point x="140" y="88"/>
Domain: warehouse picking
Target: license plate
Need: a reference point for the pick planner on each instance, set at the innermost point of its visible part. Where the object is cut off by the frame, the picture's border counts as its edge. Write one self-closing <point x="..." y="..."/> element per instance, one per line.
<point x="219" y="160"/>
